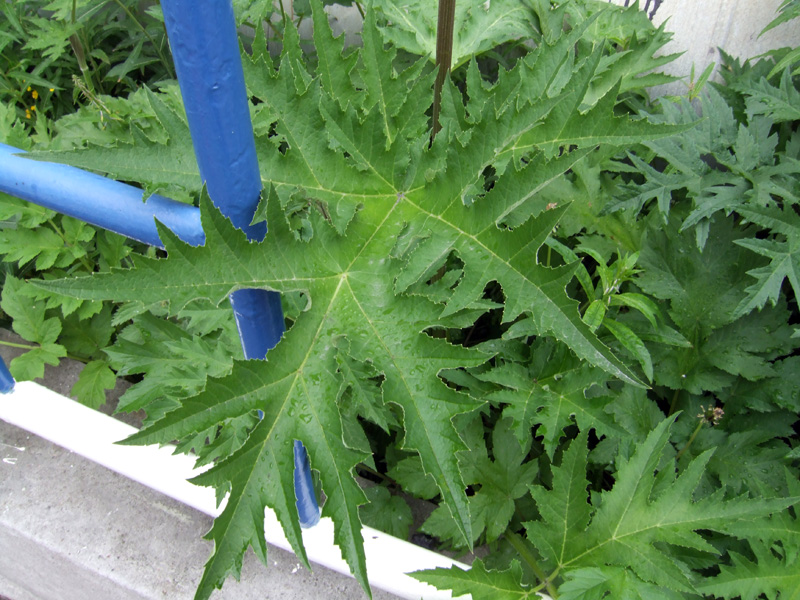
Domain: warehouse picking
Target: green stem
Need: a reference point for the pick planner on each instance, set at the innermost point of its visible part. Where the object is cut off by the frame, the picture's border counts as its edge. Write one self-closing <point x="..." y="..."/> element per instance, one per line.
<point x="444" y="55"/>
<point x="29" y="347"/>
<point x="167" y="64"/>
<point x="673" y="406"/>
<point x="691" y="439"/>
<point x="77" y="48"/>
<point x="372" y="471"/>
<point x="519" y="545"/>
<point x="283" y="12"/>
<point x="360" y="9"/>
<point x="15" y="345"/>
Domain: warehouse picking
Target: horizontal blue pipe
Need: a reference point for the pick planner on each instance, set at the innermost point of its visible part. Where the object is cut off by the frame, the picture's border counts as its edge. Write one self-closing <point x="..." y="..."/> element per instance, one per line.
<point x="119" y="207"/>
<point x="97" y="200"/>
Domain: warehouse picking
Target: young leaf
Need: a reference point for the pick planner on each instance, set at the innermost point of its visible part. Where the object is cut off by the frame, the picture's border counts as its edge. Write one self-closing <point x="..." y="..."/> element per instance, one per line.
<point x="144" y="160"/>
<point x="550" y="393"/>
<point x="29" y="321"/>
<point x="637" y="519"/>
<point x="480" y="583"/>
<point x="95" y="378"/>
<point x="784" y="256"/>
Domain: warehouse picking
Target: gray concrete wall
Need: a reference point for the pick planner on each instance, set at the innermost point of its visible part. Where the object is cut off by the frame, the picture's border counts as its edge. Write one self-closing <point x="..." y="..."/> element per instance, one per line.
<point x="700" y="27"/>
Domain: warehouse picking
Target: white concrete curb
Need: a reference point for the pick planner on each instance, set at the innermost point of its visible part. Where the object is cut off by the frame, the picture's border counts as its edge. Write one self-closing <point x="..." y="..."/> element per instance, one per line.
<point x="93" y="435"/>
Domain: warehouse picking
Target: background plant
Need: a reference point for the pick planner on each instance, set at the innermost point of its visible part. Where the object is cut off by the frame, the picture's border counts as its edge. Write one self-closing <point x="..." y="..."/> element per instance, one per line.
<point x="539" y="438"/>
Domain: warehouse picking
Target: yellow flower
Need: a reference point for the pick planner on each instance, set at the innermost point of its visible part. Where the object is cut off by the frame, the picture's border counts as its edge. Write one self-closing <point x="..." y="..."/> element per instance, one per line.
<point x="35" y="94"/>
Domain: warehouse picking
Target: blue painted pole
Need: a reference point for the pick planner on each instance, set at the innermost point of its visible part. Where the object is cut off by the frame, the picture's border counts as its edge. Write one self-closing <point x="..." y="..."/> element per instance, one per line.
<point x="97" y="200"/>
<point x="6" y="380"/>
<point x="205" y="47"/>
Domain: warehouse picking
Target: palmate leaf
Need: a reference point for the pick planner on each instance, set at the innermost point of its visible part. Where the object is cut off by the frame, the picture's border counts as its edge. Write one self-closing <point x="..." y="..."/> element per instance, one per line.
<point x="387" y="209"/>
<point x="769" y="576"/>
<point x="296" y="388"/>
<point x="647" y="509"/>
<point x="550" y="393"/>
<point x="784" y="256"/>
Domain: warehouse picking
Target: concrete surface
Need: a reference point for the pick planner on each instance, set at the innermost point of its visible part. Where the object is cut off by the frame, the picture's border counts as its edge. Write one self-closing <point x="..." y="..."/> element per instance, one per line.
<point x="72" y="530"/>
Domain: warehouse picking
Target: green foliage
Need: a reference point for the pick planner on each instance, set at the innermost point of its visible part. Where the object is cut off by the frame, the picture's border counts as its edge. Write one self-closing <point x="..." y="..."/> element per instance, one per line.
<point x="472" y="319"/>
<point x="52" y="51"/>
<point x="480" y="583"/>
<point x="386" y="512"/>
<point x="31" y="324"/>
<point x="625" y="534"/>
<point x="478" y="27"/>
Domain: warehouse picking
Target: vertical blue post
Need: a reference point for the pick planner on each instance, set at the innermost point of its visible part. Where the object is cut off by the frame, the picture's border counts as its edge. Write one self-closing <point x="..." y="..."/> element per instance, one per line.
<point x="202" y="36"/>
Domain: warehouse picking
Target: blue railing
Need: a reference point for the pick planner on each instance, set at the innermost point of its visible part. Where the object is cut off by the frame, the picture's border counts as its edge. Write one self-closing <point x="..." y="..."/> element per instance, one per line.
<point x="205" y="49"/>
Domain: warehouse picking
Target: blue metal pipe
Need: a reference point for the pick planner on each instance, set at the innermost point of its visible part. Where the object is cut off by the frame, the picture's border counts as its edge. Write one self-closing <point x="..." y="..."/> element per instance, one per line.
<point x="7" y="381"/>
<point x="205" y="48"/>
<point x="97" y="200"/>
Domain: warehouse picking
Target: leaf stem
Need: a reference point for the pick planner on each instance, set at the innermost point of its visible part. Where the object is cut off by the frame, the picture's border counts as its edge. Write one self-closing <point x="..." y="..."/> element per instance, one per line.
<point x="691" y="439"/>
<point x="16" y="345"/>
<point x="444" y="54"/>
<point x="673" y="406"/>
<point x="360" y="9"/>
<point x="519" y="545"/>
<point x="383" y="476"/>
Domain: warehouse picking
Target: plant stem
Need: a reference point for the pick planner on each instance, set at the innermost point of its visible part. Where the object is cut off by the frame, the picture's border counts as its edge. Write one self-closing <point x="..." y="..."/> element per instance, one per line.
<point x="34" y="347"/>
<point x="77" y="48"/>
<point x="372" y="471"/>
<point x="444" y="54"/>
<point x="526" y="555"/>
<point x="673" y="406"/>
<point x="360" y="9"/>
<point x="15" y="345"/>
<point x="691" y="439"/>
<point x="283" y="13"/>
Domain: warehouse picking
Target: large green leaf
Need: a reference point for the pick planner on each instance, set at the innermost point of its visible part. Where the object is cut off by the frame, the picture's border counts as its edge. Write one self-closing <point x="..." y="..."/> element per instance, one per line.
<point x="382" y="212"/>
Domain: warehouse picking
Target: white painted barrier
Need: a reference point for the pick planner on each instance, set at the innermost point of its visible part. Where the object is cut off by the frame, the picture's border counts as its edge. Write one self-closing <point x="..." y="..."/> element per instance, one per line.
<point x="93" y="435"/>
